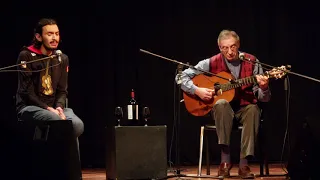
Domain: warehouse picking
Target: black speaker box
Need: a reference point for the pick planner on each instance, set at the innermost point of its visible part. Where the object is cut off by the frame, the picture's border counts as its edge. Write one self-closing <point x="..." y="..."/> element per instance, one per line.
<point x="136" y="152"/>
<point x="305" y="151"/>
<point x="46" y="150"/>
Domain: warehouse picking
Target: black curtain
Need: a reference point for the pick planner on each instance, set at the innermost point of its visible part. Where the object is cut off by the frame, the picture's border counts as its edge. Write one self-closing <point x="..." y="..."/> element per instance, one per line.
<point x="103" y="38"/>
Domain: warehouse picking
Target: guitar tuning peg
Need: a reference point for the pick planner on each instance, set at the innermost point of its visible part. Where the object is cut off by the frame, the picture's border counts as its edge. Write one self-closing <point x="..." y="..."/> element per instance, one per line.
<point x="288" y="67"/>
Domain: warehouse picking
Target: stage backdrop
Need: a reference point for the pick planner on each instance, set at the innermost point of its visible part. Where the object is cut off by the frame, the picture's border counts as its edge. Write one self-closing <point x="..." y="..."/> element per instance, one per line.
<point x="103" y="38"/>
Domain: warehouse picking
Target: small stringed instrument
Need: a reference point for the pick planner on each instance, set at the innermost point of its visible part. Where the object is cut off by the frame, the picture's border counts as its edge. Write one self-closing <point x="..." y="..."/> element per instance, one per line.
<point x="224" y="89"/>
<point x="46" y="82"/>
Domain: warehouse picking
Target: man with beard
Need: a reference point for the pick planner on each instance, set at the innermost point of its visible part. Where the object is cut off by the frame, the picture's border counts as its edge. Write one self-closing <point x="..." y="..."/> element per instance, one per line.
<point x="42" y="85"/>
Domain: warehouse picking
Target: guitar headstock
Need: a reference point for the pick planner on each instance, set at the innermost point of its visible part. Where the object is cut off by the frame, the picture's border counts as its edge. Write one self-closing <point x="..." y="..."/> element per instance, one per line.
<point x="278" y="72"/>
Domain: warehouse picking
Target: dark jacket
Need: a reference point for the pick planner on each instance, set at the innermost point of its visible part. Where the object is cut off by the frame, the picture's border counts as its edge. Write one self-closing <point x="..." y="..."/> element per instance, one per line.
<point x="32" y="85"/>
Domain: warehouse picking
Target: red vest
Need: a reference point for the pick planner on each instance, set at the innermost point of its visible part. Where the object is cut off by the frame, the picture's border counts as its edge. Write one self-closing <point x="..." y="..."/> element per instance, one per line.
<point x="245" y="93"/>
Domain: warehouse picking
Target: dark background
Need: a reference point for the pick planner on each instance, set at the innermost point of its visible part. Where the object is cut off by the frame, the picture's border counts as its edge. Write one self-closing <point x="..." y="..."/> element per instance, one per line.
<point x="103" y="38"/>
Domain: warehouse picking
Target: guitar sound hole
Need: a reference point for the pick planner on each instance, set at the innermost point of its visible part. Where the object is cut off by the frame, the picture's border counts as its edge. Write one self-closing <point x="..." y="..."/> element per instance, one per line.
<point x="217" y="87"/>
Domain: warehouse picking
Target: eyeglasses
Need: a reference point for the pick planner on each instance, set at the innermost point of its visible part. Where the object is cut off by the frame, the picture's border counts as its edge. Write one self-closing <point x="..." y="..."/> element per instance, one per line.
<point x="225" y="48"/>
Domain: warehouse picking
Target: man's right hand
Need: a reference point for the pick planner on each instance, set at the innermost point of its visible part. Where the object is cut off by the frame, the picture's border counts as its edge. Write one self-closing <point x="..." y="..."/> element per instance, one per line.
<point x="53" y="110"/>
<point x="204" y="93"/>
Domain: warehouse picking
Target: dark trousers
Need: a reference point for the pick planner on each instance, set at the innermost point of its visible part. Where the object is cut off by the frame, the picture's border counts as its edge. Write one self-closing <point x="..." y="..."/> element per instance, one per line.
<point x="248" y="116"/>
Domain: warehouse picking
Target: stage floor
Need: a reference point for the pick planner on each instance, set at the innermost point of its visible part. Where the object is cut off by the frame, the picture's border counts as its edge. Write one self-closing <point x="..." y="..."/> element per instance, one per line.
<point x="276" y="172"/>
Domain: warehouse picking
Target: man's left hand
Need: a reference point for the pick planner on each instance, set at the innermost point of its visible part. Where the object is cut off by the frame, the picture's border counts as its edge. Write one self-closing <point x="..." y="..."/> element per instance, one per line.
<point x="263" y="82"/>
<point x="61" y="114"/>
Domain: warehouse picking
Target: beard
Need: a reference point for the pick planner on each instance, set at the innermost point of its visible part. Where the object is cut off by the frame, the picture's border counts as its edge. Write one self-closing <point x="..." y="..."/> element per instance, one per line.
<point x="49" y="48"/>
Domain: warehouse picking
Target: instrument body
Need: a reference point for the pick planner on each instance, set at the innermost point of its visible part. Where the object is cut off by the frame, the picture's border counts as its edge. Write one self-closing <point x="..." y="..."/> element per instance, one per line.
<point x="224" y="89"/>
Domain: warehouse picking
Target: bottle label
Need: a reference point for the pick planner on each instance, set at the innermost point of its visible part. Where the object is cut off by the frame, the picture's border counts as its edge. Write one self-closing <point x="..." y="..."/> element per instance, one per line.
<point x="130" y="115"/>
<point x="137" y="112"/>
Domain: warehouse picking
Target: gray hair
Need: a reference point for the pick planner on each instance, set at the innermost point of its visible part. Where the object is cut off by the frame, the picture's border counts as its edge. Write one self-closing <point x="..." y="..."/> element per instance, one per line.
<point x="224" y="34"/>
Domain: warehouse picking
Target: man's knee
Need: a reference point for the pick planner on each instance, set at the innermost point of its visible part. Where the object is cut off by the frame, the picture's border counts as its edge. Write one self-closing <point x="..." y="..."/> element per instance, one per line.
<point x="78" y="126"/>
<point x="253" y="109"/>
<point x="221" y="103"/>
<point x="252" y="114"/>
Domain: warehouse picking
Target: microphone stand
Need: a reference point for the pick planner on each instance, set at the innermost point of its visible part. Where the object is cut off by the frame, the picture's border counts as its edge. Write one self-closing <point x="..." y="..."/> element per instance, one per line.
<point x="179" y="69"/>
<point x="287" y="96"/>
<point x="24" y="63"/>
<point x="287" y="71"/>
<point x="261" y="129"/>
<point x="188" y="65"/>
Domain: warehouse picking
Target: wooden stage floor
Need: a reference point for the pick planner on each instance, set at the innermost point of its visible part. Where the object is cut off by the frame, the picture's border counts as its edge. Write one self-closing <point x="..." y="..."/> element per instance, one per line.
<point x="276" y="172"/>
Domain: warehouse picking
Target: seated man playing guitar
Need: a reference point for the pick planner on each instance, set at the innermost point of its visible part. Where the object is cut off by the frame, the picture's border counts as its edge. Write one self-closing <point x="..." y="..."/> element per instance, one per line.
<point x="243" y="106"/>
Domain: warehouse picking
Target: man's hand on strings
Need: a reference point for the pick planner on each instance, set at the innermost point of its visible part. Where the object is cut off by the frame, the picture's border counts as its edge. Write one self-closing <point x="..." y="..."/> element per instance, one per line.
<point x="204" y="93"/>
<point x="263" y="81"/>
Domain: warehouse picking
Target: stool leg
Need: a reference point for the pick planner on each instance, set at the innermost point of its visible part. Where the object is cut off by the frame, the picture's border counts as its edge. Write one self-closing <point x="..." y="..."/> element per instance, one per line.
<point x="261" y="168"/>
<point x="207" y="154"/>
<point x="261" y="150"/>
<point x="201" y="149"/>
<point x="266" y="164"/>
<point x="262" y="157"/>
<point x="78" y="148"/>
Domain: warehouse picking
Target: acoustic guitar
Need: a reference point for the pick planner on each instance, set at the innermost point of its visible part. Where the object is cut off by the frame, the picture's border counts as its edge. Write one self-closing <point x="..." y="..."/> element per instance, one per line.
<point x="224" y="89"/>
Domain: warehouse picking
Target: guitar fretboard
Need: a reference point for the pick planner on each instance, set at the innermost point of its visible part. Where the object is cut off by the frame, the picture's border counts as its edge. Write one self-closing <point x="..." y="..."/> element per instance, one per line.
<point x="238" y="83"/>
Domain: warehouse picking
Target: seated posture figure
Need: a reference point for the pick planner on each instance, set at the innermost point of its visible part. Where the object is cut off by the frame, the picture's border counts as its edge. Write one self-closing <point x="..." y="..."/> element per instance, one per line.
<point x="42" y="85"/>
<point x="243" y="106"/>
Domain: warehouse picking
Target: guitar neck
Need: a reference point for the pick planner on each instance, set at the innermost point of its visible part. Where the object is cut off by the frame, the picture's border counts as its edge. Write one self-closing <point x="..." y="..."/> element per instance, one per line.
<point x="238" y="83"/>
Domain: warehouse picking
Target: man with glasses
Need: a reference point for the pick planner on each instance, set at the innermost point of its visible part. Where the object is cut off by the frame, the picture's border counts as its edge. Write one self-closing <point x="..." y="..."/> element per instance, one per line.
<point x="243" y="108"/>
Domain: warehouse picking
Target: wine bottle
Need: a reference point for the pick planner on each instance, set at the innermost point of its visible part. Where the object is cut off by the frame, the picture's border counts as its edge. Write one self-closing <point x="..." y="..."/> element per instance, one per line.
<point x="133" y="110"/>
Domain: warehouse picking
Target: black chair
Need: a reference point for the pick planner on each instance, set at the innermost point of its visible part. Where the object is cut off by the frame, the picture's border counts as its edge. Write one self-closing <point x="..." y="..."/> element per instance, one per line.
<point x="236" y="127"/>
<point x="46" y="149"/>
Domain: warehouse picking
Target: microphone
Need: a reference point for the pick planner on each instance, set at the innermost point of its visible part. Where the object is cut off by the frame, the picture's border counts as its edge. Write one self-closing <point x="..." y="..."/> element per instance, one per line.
<point x="59" y="53"/>
<point x="243" y="57"/>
